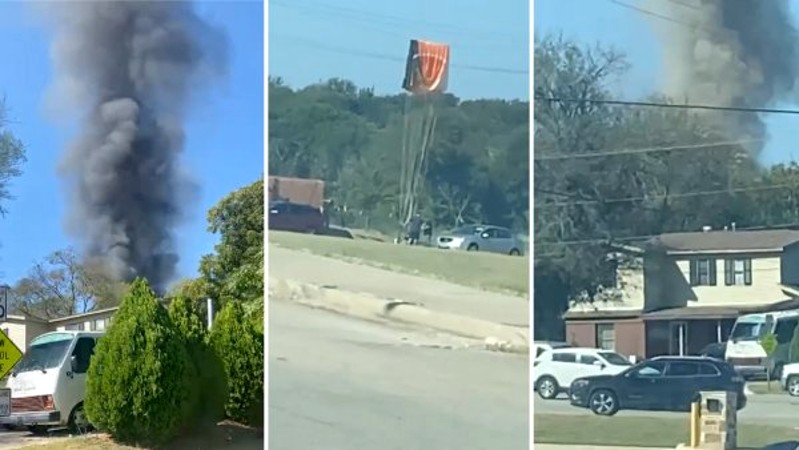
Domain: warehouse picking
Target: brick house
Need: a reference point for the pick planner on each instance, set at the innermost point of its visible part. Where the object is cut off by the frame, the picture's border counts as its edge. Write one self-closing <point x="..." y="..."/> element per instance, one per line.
<point x="679" y="292"/>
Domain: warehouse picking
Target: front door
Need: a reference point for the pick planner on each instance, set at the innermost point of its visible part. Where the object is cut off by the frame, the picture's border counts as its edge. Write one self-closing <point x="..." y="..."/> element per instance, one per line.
<point x="678" y="338"/>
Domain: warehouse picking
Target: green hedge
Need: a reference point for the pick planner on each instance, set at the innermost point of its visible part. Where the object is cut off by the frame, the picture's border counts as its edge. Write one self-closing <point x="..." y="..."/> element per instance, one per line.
<point x="237" y="339"/>
<point x="139" y="384"/>
<point x="209" y="389"/>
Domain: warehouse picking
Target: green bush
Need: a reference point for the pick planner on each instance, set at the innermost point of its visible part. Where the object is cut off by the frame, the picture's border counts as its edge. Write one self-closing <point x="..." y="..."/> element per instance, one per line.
<point x="240" y="345"/>
<point x="209" y="390"/>
<point x="138" y="385"/>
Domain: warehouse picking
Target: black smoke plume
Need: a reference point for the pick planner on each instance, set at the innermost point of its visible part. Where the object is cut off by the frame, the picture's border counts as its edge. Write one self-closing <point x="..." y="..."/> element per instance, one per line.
<point x="739" y="53"/>
<point x="129" y="70"/>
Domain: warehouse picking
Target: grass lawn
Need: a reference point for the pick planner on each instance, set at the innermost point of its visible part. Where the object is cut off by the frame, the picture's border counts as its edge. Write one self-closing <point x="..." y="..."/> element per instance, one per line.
<point x="225" y="436"/>
<point x="634" y="431"/>
<point x="488" y="271"/>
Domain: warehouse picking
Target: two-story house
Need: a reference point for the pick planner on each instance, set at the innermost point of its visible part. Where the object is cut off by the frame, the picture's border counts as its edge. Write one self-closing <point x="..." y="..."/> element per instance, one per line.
<point x="679" y="292"/>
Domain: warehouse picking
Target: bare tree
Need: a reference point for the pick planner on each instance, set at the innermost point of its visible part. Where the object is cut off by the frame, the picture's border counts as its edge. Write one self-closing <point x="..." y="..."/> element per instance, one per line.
<point x="62" y="285"/>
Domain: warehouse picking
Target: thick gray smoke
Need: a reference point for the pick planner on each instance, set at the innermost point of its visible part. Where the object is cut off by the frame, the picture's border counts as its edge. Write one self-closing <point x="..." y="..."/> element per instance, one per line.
<point x="130" y="70"/>
<point x="740" y="53"/>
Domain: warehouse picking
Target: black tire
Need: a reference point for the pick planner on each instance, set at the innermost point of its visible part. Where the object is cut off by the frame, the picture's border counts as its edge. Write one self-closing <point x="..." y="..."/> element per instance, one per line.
<point x="38" y="430"/>
<point x="472" y="248"/>
<point x="547" y="387"/>
<point x="792" y="385"/>
<point x="515" y="252"/>
<point x="603" y="402"/>
<point x="78" y="423"/>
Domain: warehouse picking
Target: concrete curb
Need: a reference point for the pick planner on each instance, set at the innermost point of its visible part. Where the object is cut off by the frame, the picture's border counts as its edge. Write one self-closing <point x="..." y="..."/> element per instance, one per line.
<point x="496" y="336"/>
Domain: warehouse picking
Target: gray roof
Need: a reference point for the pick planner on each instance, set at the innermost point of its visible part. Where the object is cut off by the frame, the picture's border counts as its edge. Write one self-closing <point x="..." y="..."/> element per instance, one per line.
<point x="724" y="241"/>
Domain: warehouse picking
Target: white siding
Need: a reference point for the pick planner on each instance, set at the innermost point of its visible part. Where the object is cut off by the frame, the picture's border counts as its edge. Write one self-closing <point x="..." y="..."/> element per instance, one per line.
<point x="765" y="287"/>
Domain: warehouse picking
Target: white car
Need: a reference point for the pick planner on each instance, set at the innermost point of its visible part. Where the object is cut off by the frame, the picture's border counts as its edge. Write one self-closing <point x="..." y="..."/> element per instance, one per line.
<point x="790" y="379"/>
<point x="555" y="370"/>
<point x="539" y="347"/>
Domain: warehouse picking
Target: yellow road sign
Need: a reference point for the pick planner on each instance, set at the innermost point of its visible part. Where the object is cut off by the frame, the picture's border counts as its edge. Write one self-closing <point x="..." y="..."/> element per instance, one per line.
<point x="10" y="354"/>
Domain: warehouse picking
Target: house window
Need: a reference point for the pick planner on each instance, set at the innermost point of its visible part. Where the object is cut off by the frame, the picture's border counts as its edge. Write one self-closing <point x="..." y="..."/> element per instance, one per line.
<point x="738" y="272"/>
<point x="703" y="272"/>
<point x="74" y="327"/>
<point x="606" y="336"/>
<point x="98" y="325"/>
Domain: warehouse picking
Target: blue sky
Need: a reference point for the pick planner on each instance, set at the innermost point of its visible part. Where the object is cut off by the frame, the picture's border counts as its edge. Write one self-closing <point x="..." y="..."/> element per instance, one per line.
<point x="601" y="21"/>
<point x="314" y="40"/>
<point x="224" y="147"/>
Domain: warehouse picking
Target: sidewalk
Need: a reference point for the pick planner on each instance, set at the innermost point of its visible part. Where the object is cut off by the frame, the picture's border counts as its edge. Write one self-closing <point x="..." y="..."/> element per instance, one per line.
<point x="541" y="446"/>
<point x="430" y="293"/>
<point x="373" y="293"/>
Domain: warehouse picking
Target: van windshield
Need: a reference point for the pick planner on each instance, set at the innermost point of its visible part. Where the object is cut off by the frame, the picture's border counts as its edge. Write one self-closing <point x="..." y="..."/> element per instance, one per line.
<point x="746" y="331"/>
<point x="43" y="356"/>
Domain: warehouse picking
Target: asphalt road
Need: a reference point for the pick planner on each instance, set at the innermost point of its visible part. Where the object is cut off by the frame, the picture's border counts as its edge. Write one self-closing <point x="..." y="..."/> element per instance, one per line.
<point x="342" y="384"/>
<point x="771" y="409"/>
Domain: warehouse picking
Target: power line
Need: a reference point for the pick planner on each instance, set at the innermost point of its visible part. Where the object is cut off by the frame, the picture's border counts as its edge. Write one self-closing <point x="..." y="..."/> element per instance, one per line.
<point x="651" y="13"/>
<point x="669" y="196"/>
<point x="386" y="19"/>
<point x="646" y="150"/>
<point x="668" y="105"/>
<point x="383" y="56"/>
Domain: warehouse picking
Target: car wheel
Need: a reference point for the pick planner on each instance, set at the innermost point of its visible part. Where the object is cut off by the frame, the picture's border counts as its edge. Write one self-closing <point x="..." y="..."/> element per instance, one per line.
<point x="547" y="387"/>
<point x="792" y="385"/>
<point x="603" y="403"/>
<point x="472" y="248"/>
<point x="78" y="422"/>
<point x="515" y="252"/>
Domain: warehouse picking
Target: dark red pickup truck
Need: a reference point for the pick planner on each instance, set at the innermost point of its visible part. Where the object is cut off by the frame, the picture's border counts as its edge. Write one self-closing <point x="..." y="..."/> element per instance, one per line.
<point x="288" y="216"/>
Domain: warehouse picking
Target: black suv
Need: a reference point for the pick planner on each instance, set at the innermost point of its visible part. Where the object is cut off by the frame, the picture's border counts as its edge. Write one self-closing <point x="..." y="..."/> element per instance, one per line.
<point x="664" y="383"/>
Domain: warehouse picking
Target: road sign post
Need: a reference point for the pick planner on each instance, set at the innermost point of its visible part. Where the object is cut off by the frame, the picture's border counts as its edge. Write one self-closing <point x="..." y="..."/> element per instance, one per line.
<point x="4" y="288"/>
<point x="5" y="402"/>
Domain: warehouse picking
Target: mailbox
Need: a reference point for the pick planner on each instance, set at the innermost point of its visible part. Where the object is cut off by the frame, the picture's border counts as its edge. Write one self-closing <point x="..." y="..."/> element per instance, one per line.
<point x="718" y="426"/>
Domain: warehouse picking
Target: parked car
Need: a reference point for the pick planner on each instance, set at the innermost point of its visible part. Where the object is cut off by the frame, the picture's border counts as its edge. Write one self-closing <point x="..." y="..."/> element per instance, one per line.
<point x="790" y="379"/>
<point x="49" y="382"/>
<point x="668" y="383"/>
<point x="288" y="216"/>
<point x="539" y="347"/>
<point x="555" y="370"/>
<point x="484" y="238"/>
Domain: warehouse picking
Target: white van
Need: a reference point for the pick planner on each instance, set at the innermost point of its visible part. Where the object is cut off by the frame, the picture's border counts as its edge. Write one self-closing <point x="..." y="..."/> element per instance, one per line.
<point x="49" y="382"/>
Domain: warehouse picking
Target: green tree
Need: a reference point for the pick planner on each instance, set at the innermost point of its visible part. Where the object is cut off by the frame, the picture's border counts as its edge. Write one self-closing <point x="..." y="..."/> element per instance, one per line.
<point x="12" y="155"/>
<point x="235" y="270"/>
<point x="239" y="344"/>
<point x="209" y="390"/>
<point x="139" y="383"/>
<point x="595" y="186"/>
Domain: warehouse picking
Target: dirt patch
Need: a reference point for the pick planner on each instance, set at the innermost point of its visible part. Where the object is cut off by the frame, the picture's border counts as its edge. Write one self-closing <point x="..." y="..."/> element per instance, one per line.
<point x="226" y="435"/>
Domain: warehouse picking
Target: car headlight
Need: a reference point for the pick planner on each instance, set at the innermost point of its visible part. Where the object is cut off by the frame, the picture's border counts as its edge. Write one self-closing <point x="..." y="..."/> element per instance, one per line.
<point x="577" y="384"/>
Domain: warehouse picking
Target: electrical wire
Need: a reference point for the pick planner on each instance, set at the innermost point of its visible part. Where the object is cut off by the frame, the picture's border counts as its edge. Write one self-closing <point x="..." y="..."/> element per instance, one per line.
<point x="652" y="13"/>
<point x="668" y="105"/>
<point x="670" y="196"/>
<point x="646" y="150"/>
<point x="383" y="56"/>
<point x="387" y="19"/>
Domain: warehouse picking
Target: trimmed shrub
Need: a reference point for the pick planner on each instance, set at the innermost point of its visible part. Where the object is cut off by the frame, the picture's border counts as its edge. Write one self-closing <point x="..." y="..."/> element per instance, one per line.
<point x="138" y="385"/>
<point x="240" y="346"/>
<point x="209" y="389"/>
